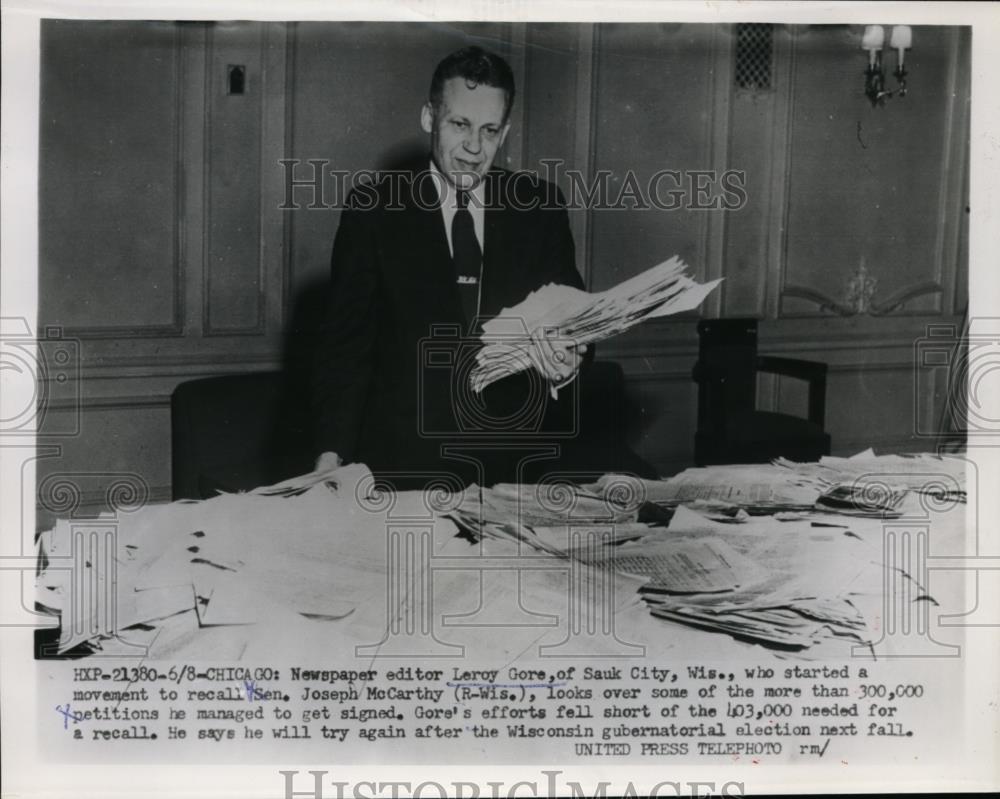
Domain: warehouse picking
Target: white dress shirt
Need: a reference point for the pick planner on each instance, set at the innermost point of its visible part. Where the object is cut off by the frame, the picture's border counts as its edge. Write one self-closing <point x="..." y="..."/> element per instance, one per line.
<point x="449" y="204"/>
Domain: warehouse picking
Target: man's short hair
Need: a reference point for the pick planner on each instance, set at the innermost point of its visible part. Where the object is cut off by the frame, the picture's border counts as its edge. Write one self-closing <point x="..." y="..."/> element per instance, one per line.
<point x="478" y="67"/>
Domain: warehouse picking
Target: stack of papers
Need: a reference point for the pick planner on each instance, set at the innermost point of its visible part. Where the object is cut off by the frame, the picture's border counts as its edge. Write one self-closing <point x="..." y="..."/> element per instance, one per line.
<point x="863" y="500"/>
<point x="582" y="317"/>
<point x="794" y="627"/>
<point x="755" y="488"/>
<point x="940" y="476"/>
<point x="803" y="597"/>
<point x="552" y="503"/>
<point x="197" y="576"/>
<point x="679" y="565"/>
<point x="776" y="585"/>
<point x="865" y="489"/>
<point x="549" y="518"/>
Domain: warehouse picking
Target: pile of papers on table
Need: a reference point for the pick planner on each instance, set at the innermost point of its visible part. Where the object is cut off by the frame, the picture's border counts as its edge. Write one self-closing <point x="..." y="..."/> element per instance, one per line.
<point x="214" y="568"/>
<point x="940" y="476"/>
<point x="582" y="317"/>
<point x="754" y="488"/>
<point x="863" y="485"/>
<point x="818" y="571"/>
<point x="793" y="585"/>
<point x="785" y="586"/>
<point x="316" y="567"/>
<point x="314" y="552"/>
<point x="548" y="517"/>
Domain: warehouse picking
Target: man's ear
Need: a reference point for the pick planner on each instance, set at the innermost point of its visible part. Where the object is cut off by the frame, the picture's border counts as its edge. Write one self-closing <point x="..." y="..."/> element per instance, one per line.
<point x="427" y="118"/>
<point x="503" y="135"/>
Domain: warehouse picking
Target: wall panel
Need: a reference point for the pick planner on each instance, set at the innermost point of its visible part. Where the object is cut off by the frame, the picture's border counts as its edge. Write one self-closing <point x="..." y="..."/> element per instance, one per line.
<point x="109" y="175"/>
<point x="161" y="240"/>
<point x="652" y="112"/>
<point x="870" y="185"/>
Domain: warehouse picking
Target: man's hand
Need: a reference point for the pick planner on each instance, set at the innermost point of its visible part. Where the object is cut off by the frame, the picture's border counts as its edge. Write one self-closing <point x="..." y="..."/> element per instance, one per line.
<point x="327" y="462"/>
<point x="557" y="359"/>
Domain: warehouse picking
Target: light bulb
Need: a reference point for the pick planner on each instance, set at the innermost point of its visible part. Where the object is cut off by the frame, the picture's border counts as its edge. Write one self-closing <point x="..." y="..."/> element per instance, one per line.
<point x="902" y="37"/>
<point x="874" y="37"/>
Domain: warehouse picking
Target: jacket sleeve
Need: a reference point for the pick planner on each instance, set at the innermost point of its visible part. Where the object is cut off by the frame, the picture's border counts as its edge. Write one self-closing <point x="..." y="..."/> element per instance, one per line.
<point x="343" y="364"/>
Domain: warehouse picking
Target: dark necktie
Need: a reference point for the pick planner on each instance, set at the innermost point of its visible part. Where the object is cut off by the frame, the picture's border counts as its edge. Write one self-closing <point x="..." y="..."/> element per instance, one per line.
<point x="468" y="258"/>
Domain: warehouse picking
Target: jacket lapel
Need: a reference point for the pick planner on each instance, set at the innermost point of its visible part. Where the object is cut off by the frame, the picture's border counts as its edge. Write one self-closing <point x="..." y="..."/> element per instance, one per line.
<point x="427" y="223"/>
<point x="425" y="248"/>
<point x="497" y="242"/>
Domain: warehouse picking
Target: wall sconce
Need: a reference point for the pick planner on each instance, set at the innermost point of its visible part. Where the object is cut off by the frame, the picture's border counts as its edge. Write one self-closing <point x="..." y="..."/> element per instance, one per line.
<point x="873" y="40"/>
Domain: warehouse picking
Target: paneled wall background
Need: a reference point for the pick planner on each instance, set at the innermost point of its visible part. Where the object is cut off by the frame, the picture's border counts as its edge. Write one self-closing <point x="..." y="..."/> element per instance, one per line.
<point x="168" y="249"/>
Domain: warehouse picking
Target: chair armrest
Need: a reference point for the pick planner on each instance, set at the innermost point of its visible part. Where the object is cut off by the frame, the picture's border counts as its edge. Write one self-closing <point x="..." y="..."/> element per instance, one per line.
<point x="791" y="367"/>
<point x="813" y="372"/>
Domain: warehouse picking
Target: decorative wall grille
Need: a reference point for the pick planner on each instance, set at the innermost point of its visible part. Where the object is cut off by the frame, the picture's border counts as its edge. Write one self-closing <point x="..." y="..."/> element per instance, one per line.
<point x="753" y="56"/>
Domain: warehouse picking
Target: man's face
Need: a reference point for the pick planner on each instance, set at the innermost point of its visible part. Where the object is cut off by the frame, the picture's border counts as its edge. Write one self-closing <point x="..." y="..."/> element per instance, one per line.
<point x="466" y="131"/>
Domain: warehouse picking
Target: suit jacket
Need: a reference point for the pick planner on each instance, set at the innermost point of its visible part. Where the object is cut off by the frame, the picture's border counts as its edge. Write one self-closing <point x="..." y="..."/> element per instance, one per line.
<point x="390" y="383"/>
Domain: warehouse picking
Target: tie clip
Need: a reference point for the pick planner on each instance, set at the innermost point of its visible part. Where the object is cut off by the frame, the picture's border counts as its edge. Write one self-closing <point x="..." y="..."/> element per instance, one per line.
<point x="467" y="280"/>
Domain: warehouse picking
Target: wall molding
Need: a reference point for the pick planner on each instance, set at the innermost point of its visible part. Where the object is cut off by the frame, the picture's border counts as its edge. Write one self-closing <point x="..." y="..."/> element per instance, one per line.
<point x="287" y="144"/>
<point x="894" y="302"/>
<point x="718" y="135"/>
<point x="953" y="195"/>
<point x="147" y="366"/>
<point x="812" y="334"/>
<point x="274" y="146"/>
<point x="210" y="330"/>
<point x="515" y="38"/>
<point x="627" y="360"/>
<point x="106" y="403"/>
<point x="781" y="166"/>
<point x="684" y="374"/>
<point x="585" y="145"/>
<point x="205" y="175"/>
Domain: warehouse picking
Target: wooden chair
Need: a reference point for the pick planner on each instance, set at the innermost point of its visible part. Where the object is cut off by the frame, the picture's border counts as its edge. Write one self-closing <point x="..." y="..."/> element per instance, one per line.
<point x="232" y="433"/>
<point x="730" y="428"/>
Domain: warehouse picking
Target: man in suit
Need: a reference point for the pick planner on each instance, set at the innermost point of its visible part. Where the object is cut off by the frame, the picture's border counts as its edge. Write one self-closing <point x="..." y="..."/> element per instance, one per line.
<point x="420" y="259"/>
